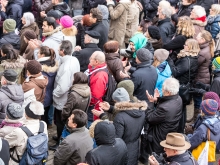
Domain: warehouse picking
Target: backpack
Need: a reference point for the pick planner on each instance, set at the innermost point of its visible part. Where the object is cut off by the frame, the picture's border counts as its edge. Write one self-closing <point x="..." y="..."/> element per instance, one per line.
<point x="36" y="152"/>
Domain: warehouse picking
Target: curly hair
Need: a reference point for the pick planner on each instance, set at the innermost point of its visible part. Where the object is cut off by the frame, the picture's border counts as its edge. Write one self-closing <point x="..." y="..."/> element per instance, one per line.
<point x="185" y="26"/>
<point x="193" y="49"/>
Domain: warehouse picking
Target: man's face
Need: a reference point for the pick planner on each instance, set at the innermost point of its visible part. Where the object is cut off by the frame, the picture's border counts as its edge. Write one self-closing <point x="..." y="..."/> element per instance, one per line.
<point x="61" y="52"/>
<point x="3" y="81"/>
<point x="132" y="46"/>
<point x="193" y="14"/>
<point x="170" y="152"/>
<point x="92" y="61"/>
<point x="91" y="19"/>
<point x="46" y="28"/>
<point x="160" y="15"/>
<point x="70" y="122"/>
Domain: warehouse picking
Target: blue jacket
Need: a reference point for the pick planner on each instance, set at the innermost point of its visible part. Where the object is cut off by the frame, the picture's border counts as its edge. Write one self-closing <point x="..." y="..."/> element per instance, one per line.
<point x="213" y="25"/>
<point x="163" y="72"/>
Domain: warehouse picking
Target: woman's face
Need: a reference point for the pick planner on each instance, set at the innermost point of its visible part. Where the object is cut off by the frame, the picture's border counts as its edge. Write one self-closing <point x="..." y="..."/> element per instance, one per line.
<point x="200" y="39"/>
<point x="212" y="12"/>
<point x="23" y="20"/>
<point x="140" y="28"/>
<point x="132" y="46"/>
<point x="186" y="47"/>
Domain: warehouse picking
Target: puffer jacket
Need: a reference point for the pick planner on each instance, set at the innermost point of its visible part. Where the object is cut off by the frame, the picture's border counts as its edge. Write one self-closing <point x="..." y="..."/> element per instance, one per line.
<point x="11" y="38"/>
<point x="183" y="159"/>
<point x="199" y="27"/>
<point x="150" y="8"/>
<point x="204" y="60"/>
<point x="62" y="9"/>
<point x="128" y="123"/>
<point x="184" y="10"/>
<point x="215" y="86"/>
<point x="10" y="94"/>
<point x="89" y="4"/>
<point x="78" y="98"/>
<point x="213" y="25"/>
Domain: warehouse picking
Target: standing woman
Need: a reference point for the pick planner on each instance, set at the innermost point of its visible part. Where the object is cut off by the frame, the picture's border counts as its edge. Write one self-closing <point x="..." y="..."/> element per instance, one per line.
<point x="46" y="57"/>
<point x="180" y="70"/>
<point x="185" y="8"/>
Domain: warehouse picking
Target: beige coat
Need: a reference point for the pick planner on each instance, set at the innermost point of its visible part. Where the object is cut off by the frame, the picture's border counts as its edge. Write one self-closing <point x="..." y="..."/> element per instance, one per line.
<point x="199" y="26"/>
<point x="118" y="21"/>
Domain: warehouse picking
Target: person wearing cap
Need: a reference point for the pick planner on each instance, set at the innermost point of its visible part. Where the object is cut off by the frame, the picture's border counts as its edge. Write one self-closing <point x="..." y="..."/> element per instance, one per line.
<point x="128" y="121"/>
<point x="17" y="139"/>
<point x="9" y="36"/>
<point x="215" y="85"/>
<point x="91" y="40"/>
<point x="105" y="15"/>
<point x="176" y="148"/>
<point x="10" y="91"/>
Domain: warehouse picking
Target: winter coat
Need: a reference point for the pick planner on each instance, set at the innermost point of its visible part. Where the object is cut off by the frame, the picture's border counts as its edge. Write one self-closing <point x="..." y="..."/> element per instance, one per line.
<point x="204" y="60"/>
<point x="206" y="4"/>
<point x="150" y="8"/>
<point x="68" y="67"/>
<point x="10" y="38"/>
<point x="74" y="147"/>
<point x="70" y="35"/>
<point x="182" y="159"/>
<point x="4" y="152"/>
<point x="16" y="65"/>
<point x="89" y="4"/>
<point x="185" y="10"/>
<point x="163" y="72"/>
<point x="78" y="98"/>
<point x="162" y="120"/>
<point x="144" y="78"/>
<point x="18" y="138"/>
<point x="167" y="30"/>
<point x="119" y="16"/>
<point x="39" y="82"/>
<point x="110" y="150"/>
<point x="23" y="44"/>
<point x="84" y="54"/>
<point x="114" y="65"/>
<point x="157" y="44"/>
<point x="215" y="86"/>
<point x="50" y="72"/>
<point x="75" y="4"/>
<point x="10" y="94"/>
<point x="213" y="25"/>
<point x="128" y="123"/>
<point x="62" y="9"/>
<point x="199" y="27"/>
<point x="28" y="53"/>
<point x="103" y="31"/>
<point x="180" y="69"/>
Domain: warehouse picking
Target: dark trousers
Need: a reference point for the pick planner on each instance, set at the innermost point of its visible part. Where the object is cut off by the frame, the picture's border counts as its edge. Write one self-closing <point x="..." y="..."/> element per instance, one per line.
<point x="59" y="123"/>
<point x="45" y="116"/>
<point x="182" y="120"/>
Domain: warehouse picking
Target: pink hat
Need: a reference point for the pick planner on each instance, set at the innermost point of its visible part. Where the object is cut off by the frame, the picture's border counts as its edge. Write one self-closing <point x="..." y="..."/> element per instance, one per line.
<point x="66" y="21"/>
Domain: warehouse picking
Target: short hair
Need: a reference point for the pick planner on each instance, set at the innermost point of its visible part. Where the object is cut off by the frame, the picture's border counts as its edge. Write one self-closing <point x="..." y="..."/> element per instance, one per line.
<point x="164" y="4"/>
<point x="50" y="21"/>
<point x="111" y="46"/>
<point x="96" y="13"/>
<point x="93" y="40"/>
<point x="191" y="1"/>
<point x="199" y="10"/>
<point x="216" y="8"/>
<point x="144" y="24"/>
<point x="99" y="56"/>
<point x="67" y="47"/>
<point x="167" y="12"/>
<point x="9" y="82"/>
<point x="171" y="85"/>
<point x="29" y="18"/>
<point x="80" y="118"/>
<point x="80" y="78"/>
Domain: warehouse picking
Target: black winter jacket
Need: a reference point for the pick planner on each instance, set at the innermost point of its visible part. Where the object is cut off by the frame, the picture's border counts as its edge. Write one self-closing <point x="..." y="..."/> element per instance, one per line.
<point x="11" y="38"/>
<point x="182" y="159"/>
<point x="62" y="9"/>
<point x="162" y="120"/>
<point x="184" y="10"/>
<point x="180" y="70"/>
<point x="167" y="30"/>
<point x="150" y="8"/>
<point x="215" y="86"/>
<point x="89" y="4"/>
<point x="84" y="55"/>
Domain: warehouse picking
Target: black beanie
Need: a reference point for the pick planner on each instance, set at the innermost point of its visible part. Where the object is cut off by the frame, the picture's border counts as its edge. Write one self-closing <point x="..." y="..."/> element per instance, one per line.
<point x="154" y="32"/>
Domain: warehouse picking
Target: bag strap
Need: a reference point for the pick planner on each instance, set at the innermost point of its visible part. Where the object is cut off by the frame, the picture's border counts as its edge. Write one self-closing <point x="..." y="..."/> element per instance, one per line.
<point x="189" y="68"/>
<point x="208" y="134"/>
<point x="27" y="131"/>
<point x="41" y="128"/>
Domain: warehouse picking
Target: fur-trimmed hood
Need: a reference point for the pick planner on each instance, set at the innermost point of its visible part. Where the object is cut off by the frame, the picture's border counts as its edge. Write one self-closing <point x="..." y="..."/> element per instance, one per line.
<point x="50" y="69"/>
<point x="199" y="23"/>
<point x="13" y="64"/>
<point x="52" y="32"/>
<point x="71" y="31"/>
<point x="124" y="106"/>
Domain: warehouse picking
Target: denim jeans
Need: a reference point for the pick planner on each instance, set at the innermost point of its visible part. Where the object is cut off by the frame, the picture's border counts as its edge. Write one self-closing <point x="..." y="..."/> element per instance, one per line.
<point x="197" y="98"/>
<point x="50" y="115"/>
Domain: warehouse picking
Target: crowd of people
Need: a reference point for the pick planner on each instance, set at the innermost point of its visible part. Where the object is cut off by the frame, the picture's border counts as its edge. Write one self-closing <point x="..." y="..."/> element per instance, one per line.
<point x="115" y="77"/>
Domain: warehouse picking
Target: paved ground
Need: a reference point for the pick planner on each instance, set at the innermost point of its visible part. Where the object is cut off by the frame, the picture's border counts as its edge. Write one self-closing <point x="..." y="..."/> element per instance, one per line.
<point x="52" y="132"/>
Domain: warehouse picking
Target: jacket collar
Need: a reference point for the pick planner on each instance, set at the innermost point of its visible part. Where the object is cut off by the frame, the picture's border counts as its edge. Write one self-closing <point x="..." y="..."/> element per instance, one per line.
<point x="52" y="32"/>
<point x="126" y="105"/>
<point x="179" y="158"/>
<point x="91" y="45"/>
<point x="75" y="130"/>
<point x="163" y="21"/>
<point x="144" y="64"/>
<point x="204" y="45"/>
<point x="165" y="98"/>
<point x="95" y="69"/>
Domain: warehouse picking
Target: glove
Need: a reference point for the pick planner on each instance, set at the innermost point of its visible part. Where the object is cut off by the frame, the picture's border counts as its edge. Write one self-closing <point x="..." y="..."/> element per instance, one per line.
<point x="203" y="86"/>
<point x="197" y="91"/>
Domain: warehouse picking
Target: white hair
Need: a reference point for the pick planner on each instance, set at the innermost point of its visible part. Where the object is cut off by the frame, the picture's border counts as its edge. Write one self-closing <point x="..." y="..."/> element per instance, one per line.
<point x="37" y="107"/>
<point x="167" y="12"/>
<point x="199" y="10"/>
<point x="164" y="4"/>
<point x="29" y="18"/>
<point x="171" y="85"/>
<point x="93" y="40"/>
<point x="181" y="152"/>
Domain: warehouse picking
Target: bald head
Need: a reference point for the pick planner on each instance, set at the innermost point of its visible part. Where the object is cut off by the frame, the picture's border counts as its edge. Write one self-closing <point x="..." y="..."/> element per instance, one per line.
<point x="99" y="56"/>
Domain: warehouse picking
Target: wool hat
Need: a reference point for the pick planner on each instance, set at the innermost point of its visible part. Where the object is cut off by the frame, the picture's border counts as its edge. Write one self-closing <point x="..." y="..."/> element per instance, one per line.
<point x="30" y="34"/>
<point x="144" y="55"/>
<point x="213" y="96"/>
<point x="128" y="85"/>
<point x="154" y="32"/>
<point x="9" y="25"/>
<point x="34" y="110"/>
<point x="104" y="10"/>
<point x="14" y="111"/>
<point x="86" y="21"/>
<point x="161" y="54"/>
<point x="66" y="21"/>
<point x="175" y="141"/>
<point x="93" y="34"/>
<point x="209" y="107"/>
<point x="10" y="75"/>
<point x="34" y="67"/>
<point x="120" y="94"/>
<point x="216" y="62"/>
<point x="54" y="14"/>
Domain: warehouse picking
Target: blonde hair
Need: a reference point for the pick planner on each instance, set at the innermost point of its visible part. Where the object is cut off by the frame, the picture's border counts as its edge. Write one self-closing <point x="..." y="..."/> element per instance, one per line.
<point x="156" y="62"/>
<point x="208" y="38"/>
<point x="216" y="8"/>
<point x="193" y="47"/>
<point x="185" y="26"/>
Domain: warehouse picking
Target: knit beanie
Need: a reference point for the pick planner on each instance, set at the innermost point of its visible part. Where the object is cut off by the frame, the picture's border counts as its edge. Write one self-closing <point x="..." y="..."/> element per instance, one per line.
<point x="66" y="21"/>
<point x="14" y="111"/>
<point x="213" y="96"/>
<point x="85" y="20"/>
<point x="30" y="34"/>
<point x="35" y="111"/>
<point x="128" y="85"/>
<point x="120" y="94"/>
<point x="9" y="25"/>
<point x="54" y="14"/>
<point x="154" y="32"/>
<point x="161" y="54"/>
<point x="209" y="107"/>
<point x="34" y="67"/>
<point x="216" y="62"/>
<point x="144" y="55"/>
<point x="104" y="11"/>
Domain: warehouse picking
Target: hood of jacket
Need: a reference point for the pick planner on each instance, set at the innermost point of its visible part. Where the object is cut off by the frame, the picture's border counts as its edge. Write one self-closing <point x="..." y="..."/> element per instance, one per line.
<point x="14" y="92"/>
<point x="58" y="29"/>
<point x="199" y="23"/>
<point x="63" y="7"/>
<point x="40" y="82"/>
<point x="212" y="19"/>
<point x="125" y="3"/>
<point x="213" y="123"/>
<point x="164" y="69"/>
<point x="112" y="56"/>
<point x="81" y="89"/>
<point x="47" y="66"/>
<point x="202" y="46"/>
<point x="18" y="2"/>
<point x="13" y="64"/>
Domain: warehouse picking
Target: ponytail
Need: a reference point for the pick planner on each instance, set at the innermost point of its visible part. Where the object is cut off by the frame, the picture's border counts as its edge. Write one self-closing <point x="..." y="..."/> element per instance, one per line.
<point x="212" y="47"/>
<point x="52" y="57"/>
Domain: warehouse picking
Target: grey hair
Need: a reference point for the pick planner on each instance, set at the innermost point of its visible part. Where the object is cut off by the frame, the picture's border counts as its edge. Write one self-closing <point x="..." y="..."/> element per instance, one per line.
<point x="37" y="107"/>
<point x="29" y="18"/>
<point x="93" y="40"/>
<point x="171" y="85"/>
<point x="99" y="56"/>
<point x="199" y="10"/>
<point x="164" y="3"/>
<point x="9" y="82"/>
<point x="167" y="12"/>
<point x="181" y="152"/>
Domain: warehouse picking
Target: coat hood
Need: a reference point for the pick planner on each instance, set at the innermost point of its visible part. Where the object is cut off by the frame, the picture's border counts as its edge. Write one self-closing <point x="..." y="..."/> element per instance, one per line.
<point x="14" y="92"/>
<point x="213" y="123"/>
<point x="49" y="70"/>
<point x="58" y="29"/>
<point x="81" y="89"/>
<point x="18" y="2"/>
<point x="164" y="69"/>
<point x="212" y="19"/>
<point x="63" y="7"/>
<point x="199" y="23"/>
<point x="40" y="82"/>
<point x="13" y="64"/>
<point x="112" y="56"/>
<point x="125" y="3"/>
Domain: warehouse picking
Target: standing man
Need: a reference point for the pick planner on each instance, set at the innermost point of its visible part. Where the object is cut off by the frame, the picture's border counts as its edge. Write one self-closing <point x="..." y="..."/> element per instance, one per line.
<point x="68" y="67"/>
